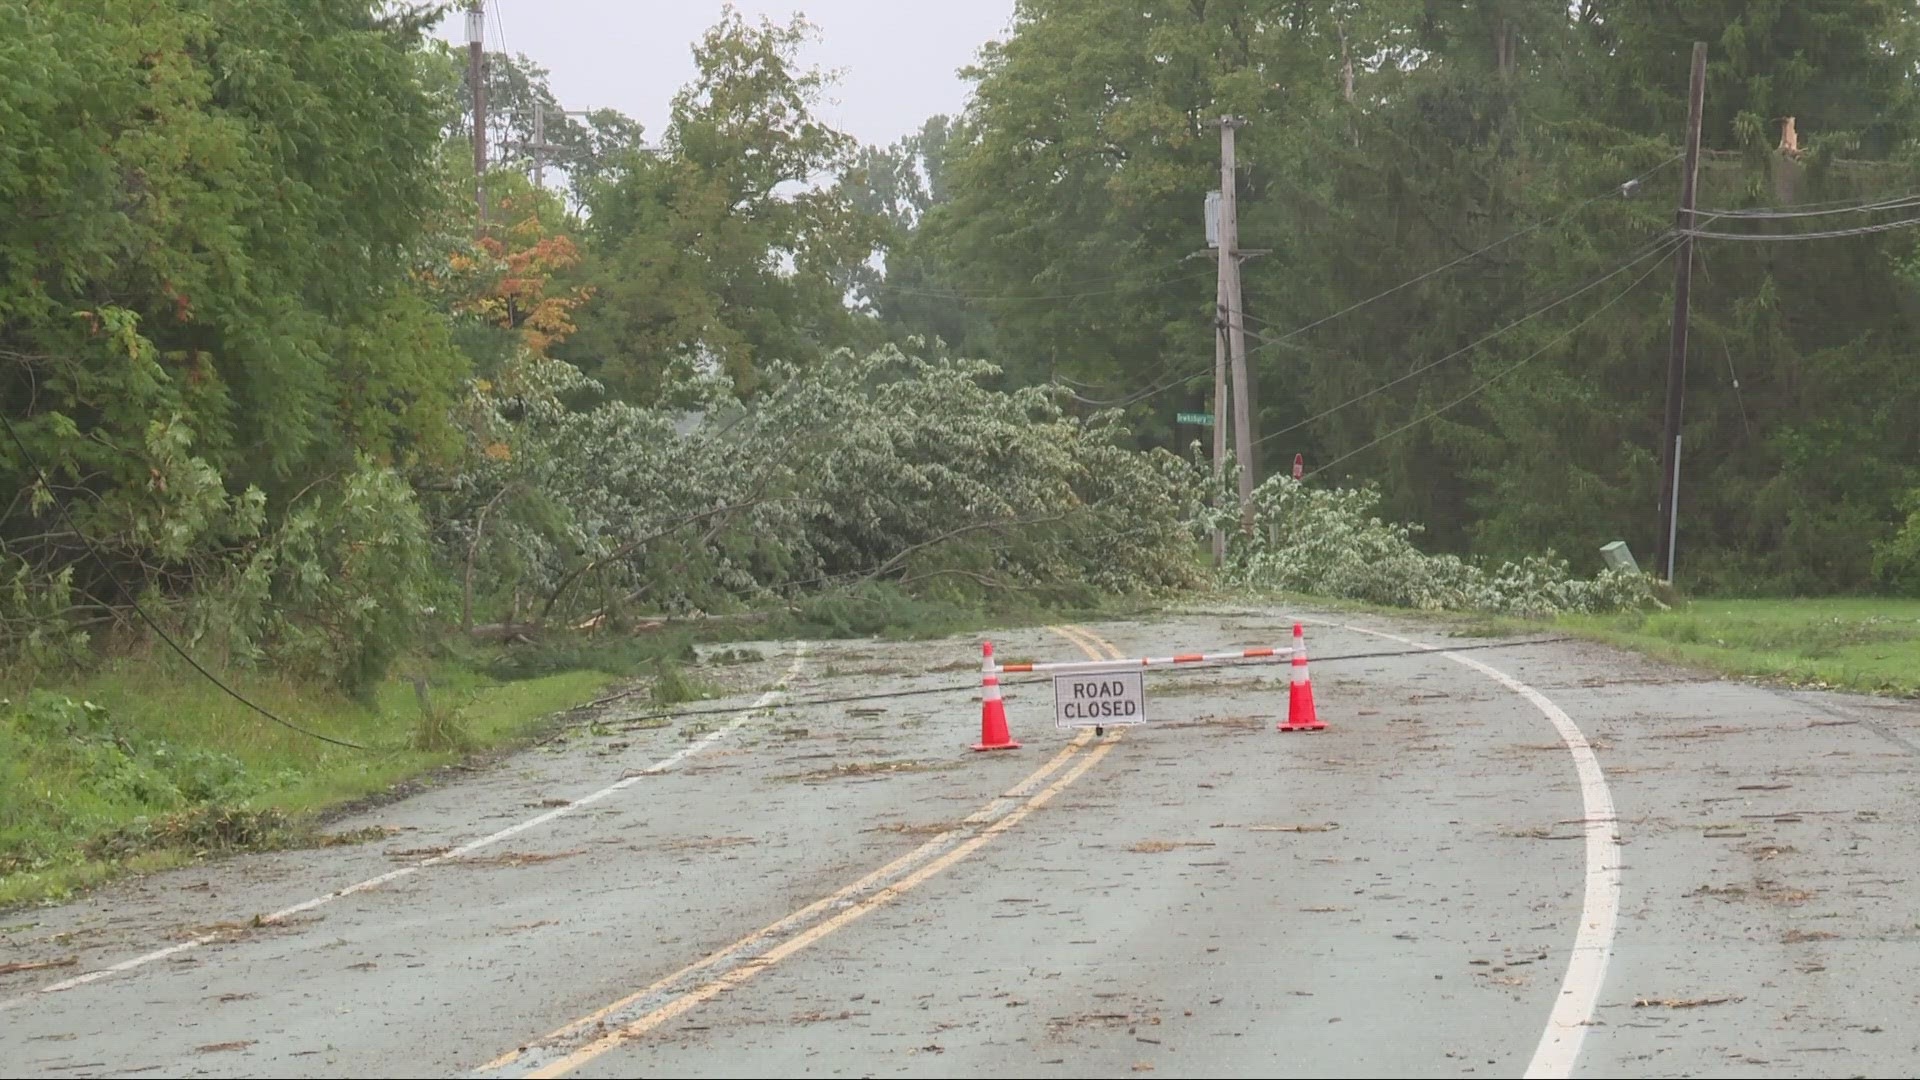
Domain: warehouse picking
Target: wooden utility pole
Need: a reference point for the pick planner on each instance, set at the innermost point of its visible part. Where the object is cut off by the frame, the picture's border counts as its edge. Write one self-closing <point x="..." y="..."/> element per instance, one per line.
<point x="1682" y="288"/>
<point x="1220" y="410"/>
<point x="477" y="73"/>
<point x="1219" y="367"/>
<point x="1230" y="304"/>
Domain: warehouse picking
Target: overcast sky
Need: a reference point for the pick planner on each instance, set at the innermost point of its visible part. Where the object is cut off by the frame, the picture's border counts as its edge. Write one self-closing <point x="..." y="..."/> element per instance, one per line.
<point x="898" y="58"/>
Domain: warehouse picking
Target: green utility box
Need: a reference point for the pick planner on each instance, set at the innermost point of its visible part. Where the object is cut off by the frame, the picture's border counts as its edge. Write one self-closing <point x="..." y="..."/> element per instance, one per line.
<point x="1619" y="558"/>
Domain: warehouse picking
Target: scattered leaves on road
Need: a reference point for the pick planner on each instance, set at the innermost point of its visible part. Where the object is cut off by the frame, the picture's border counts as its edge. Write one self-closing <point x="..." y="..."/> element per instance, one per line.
<point x="1539" y="832"/>
<point x="1710" y="731"/>
<point x="702" y="842"/>
<point x="1760" y="890"/>
<point x="226" y="930"/>
<point x="864" y="768"/>
<point x="359" y="836"/>
<point x="1683" y="1003"/>
<point x="518" y="858"/>
<point x="902" y="828"/>
<point x="1327" y="826"/>
<point x="1783" y="894"/>
<point x="37" y="965"/>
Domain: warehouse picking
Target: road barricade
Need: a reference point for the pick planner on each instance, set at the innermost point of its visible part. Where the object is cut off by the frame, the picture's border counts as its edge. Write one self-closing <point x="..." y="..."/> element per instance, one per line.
<point x="1109" y="693"/>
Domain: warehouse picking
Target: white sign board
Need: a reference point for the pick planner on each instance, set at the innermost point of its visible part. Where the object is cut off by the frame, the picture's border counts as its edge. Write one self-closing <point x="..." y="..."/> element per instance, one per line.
<point x="1110" y="699"/>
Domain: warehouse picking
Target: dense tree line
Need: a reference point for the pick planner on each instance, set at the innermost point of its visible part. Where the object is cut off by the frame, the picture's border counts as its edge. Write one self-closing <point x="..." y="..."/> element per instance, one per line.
<point x="286" y="398"/>
<point x="293" y="400"/>
<point x="1389" y="138"/>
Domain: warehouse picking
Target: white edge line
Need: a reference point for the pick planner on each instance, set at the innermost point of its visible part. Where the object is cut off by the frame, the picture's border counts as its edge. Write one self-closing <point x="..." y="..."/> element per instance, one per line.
<point x="1559" y="1047"/>
<point x="766" y="699"/>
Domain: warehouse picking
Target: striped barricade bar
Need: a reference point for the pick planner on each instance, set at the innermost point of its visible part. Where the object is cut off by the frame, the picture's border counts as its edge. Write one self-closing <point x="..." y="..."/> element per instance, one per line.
<point x="1088" y="667"/>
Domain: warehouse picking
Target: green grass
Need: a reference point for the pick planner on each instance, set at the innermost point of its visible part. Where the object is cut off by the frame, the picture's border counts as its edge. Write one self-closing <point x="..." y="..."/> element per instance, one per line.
<point x="141" y="765"/>
<point x="1861" y="644"/>
<point x="1865" y="645"/>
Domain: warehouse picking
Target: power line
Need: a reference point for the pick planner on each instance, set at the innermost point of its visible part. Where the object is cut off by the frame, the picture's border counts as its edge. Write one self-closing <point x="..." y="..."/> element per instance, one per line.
<point x="1142" y="395"/>
<point x="1660" y="245"/>
<point x="59" y="504"/>
<point x="939" y="294"/>
<point x="1528" y="359"/>
<point x="1268" y="342"/>
<point x="1535" y="227"/>
<point x="1652" y="247"/>
<point x="1829" y="234"/>
<point x="1799" y="210"/>
<point x="969" y="688"/>
<point x="1038" y="260"/>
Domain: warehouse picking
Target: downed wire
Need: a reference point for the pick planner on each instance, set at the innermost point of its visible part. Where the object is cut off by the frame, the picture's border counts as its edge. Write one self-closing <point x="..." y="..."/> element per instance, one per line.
<point x="33" y="466"/>
<point x="773" y="706"/>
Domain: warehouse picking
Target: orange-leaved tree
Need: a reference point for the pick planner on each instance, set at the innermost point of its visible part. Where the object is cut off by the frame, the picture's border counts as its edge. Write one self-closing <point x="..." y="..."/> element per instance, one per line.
<point x="509" y="278"/>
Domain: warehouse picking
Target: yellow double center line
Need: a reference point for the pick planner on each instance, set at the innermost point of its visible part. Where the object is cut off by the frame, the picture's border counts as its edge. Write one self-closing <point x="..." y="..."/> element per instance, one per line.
<point x="800" y="929"/>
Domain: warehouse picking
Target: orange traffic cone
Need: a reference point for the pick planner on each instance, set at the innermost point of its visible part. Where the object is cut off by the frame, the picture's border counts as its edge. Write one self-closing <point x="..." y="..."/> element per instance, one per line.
<point x="993" y="712"/>
<point x="1300" y="714"/>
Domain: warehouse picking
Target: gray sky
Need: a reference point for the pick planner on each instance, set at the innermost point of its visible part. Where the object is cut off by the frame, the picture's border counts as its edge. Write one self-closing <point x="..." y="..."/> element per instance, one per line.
<point x="898" y="59"/>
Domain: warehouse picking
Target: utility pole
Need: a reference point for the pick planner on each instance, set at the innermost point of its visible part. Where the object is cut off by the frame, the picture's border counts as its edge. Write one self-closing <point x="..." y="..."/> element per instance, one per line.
<point x="1682" y="288"/>
<point x="539" y="145"/>
<point x="1220" y="410"/>
<point x="476" y="73"/>
<point x="1230" y="304"/>
<point x="1219" y="367"/>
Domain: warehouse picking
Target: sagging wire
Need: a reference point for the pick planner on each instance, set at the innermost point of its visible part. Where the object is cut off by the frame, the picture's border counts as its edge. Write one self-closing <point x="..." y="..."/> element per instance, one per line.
<point x="628" y="722"/>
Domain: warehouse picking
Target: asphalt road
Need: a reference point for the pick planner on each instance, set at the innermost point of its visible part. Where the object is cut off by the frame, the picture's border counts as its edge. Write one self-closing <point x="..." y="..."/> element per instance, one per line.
<point x="1543" y="859"/>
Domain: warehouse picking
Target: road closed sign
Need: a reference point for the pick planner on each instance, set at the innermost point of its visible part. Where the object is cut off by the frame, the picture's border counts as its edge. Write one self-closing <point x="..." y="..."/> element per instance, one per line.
<point x="1110" y="699"/>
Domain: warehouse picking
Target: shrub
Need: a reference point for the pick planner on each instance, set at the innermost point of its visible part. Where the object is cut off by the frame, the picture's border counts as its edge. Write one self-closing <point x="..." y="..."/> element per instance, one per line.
<point x="353" y="576"/>
<point x="1329" y="542"/>
<point x="1896" y="562"/>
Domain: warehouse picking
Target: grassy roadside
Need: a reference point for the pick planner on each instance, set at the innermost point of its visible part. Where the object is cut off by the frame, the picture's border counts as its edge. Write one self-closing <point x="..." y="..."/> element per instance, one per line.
<point x="140" y="764"/>
<point x="1864" y="645"/>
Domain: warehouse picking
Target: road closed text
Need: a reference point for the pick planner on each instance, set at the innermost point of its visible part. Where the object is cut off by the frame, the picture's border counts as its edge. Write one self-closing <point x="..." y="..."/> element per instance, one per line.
<point x="1099" y="700"/>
